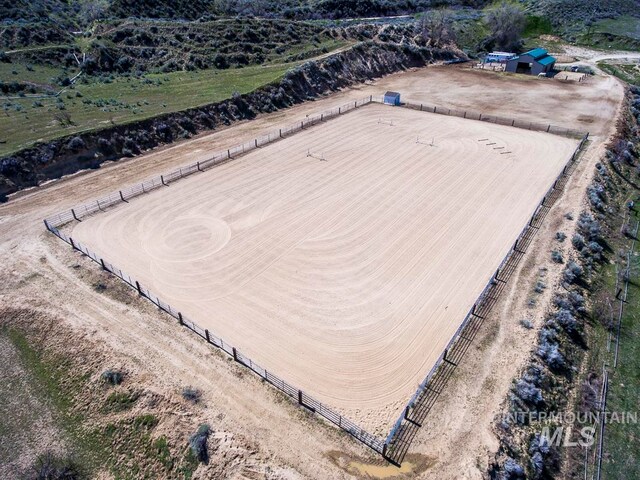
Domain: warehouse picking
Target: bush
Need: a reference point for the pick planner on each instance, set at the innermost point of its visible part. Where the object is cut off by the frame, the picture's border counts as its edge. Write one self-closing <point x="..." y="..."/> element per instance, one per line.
<point x="551" y="355"/>
<point x="114" y="377"/>
<point x="191" y="394"/>
<point x="198" y="443"/>
<point x="50" y="467"/>
<point x="76" y="144"/>
<point x="578" y="241"/>
<point x="561" y="236"/>
<point x="526" y="323"/>
<point x="528" y="392"/>
<point x="556" y="256"/>
<point x="567" y="320"/>
<point x="513" y="470"/>
<point x="105" y="146"/>
<point x="589" y="227"/>
<point x="573" y="272"/>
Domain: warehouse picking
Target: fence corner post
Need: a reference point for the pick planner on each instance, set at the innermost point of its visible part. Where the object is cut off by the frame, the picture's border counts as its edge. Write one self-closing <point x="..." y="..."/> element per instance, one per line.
<point x="384" y="450"/>
<point x="46" y="224"/>
<point x="73" y="212"/>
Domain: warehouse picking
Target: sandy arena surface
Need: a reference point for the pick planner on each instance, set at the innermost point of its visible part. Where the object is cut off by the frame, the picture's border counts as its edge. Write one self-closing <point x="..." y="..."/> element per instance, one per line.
<point x="457" y="440"/>
<point x="345" y="276"/>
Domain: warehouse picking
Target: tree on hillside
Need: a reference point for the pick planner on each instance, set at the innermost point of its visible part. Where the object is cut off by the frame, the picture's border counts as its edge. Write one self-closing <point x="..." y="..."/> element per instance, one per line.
<point x="506" y="20"/>
<point x="436" y="27"/>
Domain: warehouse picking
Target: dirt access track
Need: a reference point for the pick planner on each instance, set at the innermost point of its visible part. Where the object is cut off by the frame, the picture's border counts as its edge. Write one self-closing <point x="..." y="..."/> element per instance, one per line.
<point x="38" y="273"/>
<point x="347" y="271"/>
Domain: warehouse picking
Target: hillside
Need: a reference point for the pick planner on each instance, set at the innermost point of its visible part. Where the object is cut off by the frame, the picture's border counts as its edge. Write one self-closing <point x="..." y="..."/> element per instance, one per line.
<point x="79" y="13"/>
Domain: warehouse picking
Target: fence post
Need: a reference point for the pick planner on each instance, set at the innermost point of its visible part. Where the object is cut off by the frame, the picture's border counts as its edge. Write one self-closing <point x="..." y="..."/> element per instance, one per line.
<point x="384" y="450"/>
<point x="339" y="110"/>
<point x="122" y="196"/>
<point x="300" y="397"/>
<point x="73" y="212"/>
<point x="355" y="104"/>
<point x="302" y="125"/>
<point x="548" y="128"/>
<point x="142" y="184"/>
<point x="162" y="180"/>
<point x="98" y="204"/>
<point x="73" y="244"/>
<point x="480" y="117"/>
<point x="465" y="115"/>
<point x="370" y="98"/>
<point x="280" y="131"/>
<point x="206" y="334"/>
<point x="138" y="288"/>
<point x="256" y="141"/>
<point x="420" y="107"/>
<point x="180" y="320"/>
<point x="228" y="153"/>
<point x="46" y="224"/>
<point x="235" y="354"/>
<point x="104" y="267"/>
<point x="406" y="412"/>
<point x="198" y="166"/>
<point x="322" y="117"/>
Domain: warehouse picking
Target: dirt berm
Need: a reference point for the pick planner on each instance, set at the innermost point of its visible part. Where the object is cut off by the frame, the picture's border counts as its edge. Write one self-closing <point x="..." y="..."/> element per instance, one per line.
<point x="365" y="61"/>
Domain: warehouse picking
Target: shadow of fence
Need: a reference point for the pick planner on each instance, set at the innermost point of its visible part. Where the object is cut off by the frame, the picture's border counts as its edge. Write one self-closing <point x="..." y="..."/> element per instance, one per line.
<point x="415" y="412"/>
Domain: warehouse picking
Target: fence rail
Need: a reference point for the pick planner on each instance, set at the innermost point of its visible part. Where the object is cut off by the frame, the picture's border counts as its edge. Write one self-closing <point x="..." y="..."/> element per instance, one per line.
<point x="483" y="117"/>
<point x="296" y="394"/>
<point x="123" y="196"/>
<point x="405" y="428"/>
<point x="394" y="447"/>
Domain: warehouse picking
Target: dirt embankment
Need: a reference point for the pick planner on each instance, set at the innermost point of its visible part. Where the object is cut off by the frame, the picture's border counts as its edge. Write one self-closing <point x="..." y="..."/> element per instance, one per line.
<point x="66" y="155"/>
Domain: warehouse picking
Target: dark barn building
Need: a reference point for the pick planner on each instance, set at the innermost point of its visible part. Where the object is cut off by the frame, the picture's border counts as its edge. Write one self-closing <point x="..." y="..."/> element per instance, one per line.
<point x="533" y="62"/>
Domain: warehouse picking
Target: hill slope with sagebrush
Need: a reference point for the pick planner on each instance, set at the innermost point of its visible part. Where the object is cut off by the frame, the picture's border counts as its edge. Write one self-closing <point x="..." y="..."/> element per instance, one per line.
<point x="573" y="16"/>
<point x="84" y="12"/>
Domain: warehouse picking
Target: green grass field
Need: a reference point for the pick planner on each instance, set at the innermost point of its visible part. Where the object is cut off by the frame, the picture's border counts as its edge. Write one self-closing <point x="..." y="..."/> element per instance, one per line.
<point x="93" y="105"/>
<point x="628" y="72"/>
<point x="620" y="446"/>
<point x="623" y="25"/>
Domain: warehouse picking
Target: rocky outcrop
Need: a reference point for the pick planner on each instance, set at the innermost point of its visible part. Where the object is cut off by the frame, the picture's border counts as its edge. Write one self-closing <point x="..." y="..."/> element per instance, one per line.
<point x="365" y="61"/>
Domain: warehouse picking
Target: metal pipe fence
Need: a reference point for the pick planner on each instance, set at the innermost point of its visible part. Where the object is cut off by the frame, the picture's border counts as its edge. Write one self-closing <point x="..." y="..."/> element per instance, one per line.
<point x="479" y="311"/>
<point x="471" y="115"/>
<point x="484" y="302"/>
<point x="301" y="397"/>
<point x="123" y="196"/>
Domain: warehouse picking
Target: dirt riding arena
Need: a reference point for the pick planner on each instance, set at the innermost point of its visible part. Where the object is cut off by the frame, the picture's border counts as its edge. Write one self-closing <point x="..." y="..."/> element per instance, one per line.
<point x="42" y="275"/>
<point x="343" y="258"/>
